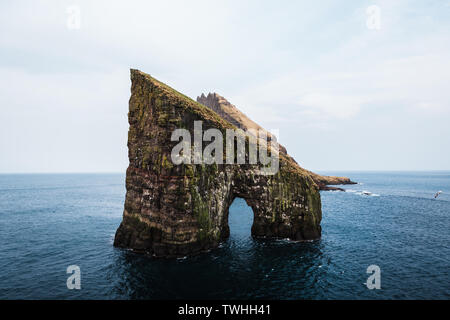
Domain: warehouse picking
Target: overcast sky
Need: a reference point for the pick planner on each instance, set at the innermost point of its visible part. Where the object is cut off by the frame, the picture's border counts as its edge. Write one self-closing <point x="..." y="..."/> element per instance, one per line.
<point x="344" y="94"/>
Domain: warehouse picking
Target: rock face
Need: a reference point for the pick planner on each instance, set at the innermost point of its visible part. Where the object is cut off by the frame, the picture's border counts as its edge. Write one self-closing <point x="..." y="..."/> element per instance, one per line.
<point x="232" y="114"/>
<point x="175" y="210"/>
<point x="229" y="112"/>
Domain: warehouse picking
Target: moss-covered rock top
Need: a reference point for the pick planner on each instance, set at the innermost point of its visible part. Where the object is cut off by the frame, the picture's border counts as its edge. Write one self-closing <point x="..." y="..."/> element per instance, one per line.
<point x="177" y="98"/>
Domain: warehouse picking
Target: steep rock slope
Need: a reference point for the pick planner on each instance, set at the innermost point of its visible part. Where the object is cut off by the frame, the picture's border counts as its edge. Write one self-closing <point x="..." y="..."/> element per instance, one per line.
<point x="232" y="114"/>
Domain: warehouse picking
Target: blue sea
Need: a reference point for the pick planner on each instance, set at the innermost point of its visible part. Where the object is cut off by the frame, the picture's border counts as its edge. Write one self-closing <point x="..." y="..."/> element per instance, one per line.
<point x="390" y="219"/>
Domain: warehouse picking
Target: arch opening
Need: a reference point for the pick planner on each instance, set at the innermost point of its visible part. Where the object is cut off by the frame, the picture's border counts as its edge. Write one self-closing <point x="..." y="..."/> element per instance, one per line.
<point x="240" y="219"/>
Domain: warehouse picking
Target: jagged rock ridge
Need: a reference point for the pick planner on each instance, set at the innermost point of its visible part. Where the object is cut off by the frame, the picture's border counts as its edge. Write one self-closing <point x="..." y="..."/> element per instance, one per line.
<point x="232" y="114"/>
<point x="229" y="112"/>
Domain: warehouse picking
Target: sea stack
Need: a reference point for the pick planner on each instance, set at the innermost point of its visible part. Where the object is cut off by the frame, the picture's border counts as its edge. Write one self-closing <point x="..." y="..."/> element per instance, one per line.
<point x="177" y="210"/>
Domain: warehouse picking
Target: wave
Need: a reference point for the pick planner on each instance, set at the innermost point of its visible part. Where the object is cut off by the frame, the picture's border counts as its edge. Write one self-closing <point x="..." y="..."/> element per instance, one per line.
<point x="362" y="193"/>
<point x="366" y="193"/>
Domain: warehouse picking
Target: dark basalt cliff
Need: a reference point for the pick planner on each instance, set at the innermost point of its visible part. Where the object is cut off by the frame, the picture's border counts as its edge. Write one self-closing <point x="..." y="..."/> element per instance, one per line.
<point x="176" y="210"/>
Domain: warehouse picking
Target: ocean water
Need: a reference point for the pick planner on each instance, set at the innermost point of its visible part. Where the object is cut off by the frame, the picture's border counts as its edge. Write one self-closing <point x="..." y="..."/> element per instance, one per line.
<point x="390" y="219"/>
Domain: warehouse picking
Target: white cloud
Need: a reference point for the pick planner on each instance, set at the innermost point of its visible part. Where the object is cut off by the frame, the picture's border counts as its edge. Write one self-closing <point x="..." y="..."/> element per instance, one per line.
<point x="346" y="88"/>
<point x="321" y="104"/>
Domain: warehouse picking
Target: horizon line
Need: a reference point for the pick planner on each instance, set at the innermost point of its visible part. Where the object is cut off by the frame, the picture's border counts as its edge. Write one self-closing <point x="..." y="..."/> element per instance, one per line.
<point x="322" y="170"/>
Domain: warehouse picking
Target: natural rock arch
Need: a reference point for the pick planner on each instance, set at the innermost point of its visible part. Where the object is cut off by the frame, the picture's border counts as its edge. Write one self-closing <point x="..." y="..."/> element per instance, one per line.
<point x="175" y="210"/>
<point x="237" y="213"/>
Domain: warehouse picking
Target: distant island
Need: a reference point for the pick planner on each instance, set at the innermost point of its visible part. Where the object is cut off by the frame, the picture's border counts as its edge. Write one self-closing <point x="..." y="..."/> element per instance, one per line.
<point x="174" y="210"/>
